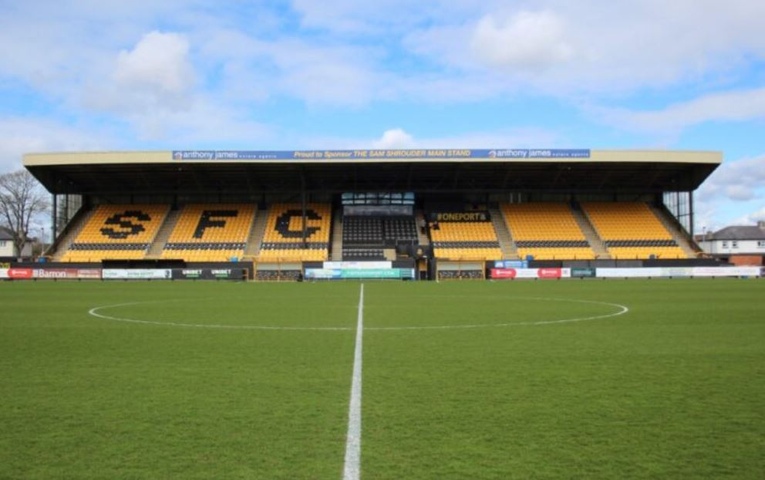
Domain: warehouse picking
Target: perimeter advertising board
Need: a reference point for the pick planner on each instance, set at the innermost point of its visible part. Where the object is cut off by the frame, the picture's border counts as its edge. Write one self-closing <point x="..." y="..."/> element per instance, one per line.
<point x="18" y="273"/>
<point x="68" y="273"/>
<point x="50" y="273"/>
<point x="358" y="273"/>
<point x="209" y="274"/>
<point x="541" y="273"/>
<point x="136" y="274"/>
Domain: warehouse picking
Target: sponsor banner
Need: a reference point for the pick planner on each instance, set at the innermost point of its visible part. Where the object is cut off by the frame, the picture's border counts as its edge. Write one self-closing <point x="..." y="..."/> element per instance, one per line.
<point x="208" y="274"/>
<point x="511" y="264"/>
<point x="67" y="273"/>
<point x="20" y="273"/>
<point x="503" y="273"/>
<point x="543" y="273"/>
<point x="136" y="274"/>
<point x="358" y="273"/>
<point x="3" y="273"/>
<point x="378" y="273"/>
<point x="582" y="272"/>
<point x="540" y="153"/>
<point x="727" y="271"/>
<point x="678" y="272"/>
<point x="475" y="216"/>
<point x="550" y="273"/>
<point x="628" y="272"/>
<point x="89" y="273"/>
<point x="357" y="265"/>
<point x="436" y="154"/>
<point x="322" y="273"/>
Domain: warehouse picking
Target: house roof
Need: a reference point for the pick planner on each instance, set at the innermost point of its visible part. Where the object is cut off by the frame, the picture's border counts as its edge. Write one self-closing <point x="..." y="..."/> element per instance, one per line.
<point x="5" y="234"/>
<point x="739" y="233"/>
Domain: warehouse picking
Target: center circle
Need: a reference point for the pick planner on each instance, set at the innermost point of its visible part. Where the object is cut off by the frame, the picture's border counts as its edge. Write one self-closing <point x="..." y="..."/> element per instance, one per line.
<point x="381" y="314"/>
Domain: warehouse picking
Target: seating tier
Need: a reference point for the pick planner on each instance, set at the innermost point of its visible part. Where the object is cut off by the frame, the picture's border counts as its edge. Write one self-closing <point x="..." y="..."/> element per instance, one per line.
<point x="465" y="240"/>
<point x="630" y="230"/>
<point x="546" y="231"/>
<point x="210" y="232"/>
<point x="117" y="232"/>
<point x="286" y="237"/>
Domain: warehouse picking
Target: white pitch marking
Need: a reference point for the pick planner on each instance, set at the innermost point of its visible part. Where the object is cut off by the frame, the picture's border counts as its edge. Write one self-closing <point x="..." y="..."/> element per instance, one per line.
<point x="94" y="312"/>
<point x="622" y="310"/>
<point x="352" y="468"/>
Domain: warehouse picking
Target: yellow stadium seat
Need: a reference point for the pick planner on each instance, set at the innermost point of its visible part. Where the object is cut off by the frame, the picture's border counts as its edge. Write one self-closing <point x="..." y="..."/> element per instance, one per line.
<point x="287" y="239"/>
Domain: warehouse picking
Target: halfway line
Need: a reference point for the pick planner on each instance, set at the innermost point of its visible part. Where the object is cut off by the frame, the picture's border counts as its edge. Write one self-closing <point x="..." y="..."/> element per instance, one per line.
<point x="352" y="469"/>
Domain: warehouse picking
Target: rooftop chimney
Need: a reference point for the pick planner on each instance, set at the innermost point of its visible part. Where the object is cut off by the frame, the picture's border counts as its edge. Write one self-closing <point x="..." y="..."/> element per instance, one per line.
<point x="761" y="224"/>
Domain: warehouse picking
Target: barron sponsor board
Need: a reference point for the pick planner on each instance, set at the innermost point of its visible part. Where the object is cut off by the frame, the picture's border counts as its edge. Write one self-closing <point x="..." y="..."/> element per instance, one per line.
<point x="68" y="273"/>
<point x="50" y="273"/>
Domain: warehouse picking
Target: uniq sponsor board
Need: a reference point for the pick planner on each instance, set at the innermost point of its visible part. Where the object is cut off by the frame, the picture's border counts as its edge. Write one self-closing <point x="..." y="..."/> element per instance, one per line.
<point x="208" y="274"/>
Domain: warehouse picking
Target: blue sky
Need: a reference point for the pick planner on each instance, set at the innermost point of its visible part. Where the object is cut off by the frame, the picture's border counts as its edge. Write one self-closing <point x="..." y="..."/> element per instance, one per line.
<point x="307" y="74"/>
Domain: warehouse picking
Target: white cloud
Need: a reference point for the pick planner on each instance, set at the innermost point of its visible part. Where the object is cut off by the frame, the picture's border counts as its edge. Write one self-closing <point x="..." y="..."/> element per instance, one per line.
<point x="154" y="77"/>
<point x="395" y="138"/>
<point x="381" y="17"/>
<point x="739" y="180"/>
<point x="733" y="195"/>
<point x="757" y="216"/>
<point x="318" y="72"/>
<point x="32" y="135"/>
<point x="401" y="138"/>
<point x="152" y="87"/>
<point x="333" y="83"/>
<point x="597" y="48"/>
<point x="158" y="63"/>
<point x="527" y="40"/>
<point x="588" y="45"/>
<point x="732" y="106"/>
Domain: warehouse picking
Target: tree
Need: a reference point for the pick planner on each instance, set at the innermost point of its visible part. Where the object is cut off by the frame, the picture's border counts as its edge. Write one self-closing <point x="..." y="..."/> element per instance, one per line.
<point x="22" y="199"/>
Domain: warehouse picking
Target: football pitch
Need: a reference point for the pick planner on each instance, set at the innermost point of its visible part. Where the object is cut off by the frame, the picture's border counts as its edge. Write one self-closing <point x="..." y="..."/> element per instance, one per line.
<point x="550" y="379"/>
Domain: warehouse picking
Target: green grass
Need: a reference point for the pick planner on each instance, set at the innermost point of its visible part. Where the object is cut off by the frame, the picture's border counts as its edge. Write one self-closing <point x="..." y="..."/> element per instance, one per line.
<point x="674" y="388"/>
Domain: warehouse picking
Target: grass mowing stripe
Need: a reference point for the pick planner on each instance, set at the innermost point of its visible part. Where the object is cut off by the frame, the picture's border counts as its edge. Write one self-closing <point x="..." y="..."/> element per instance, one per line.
<point x="352" y="469"/>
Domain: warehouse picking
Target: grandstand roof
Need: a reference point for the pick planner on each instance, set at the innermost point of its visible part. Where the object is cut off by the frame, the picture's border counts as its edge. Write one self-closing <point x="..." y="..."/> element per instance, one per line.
<point x="334" y="171"/>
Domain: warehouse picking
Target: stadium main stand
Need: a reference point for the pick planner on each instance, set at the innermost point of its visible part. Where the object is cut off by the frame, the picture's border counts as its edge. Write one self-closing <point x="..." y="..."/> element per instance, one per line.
<point x="286" y="239"/>
<point x="546" y="231"/>
<point x="210" y="232"/>
<point x="464" y="239"/>
<point x="463" y="191"/>
<point x="630" y="230"/>
<point x="116" y="232"/>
